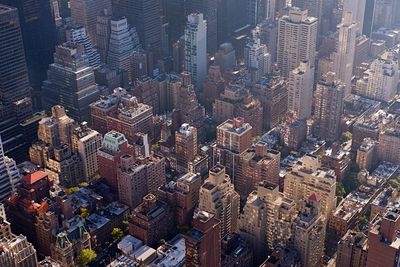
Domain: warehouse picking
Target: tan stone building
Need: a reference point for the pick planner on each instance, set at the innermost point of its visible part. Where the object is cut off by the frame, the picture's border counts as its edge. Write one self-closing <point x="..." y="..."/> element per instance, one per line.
<point x="218" y="196"/>
<point x="309" y="178"/>
<point x="266" y="219"/>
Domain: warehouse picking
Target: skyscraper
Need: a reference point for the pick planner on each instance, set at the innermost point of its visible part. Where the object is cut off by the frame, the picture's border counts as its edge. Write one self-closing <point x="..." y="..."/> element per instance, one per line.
<point x="123" y="41"/>
<point x="103" y="30"/>
<point x="357" y="9"/>
<point x="297" y="39"/>
<point x="86" y="142"/>
<point x="231" y="17"/>
<point x="15" y="102"/>
<point x="146" y="19"/>
<point x="328" y="100"/>
<point x="309" y="232"/>
<point x="256" y="11"/>
<point x="205" y="234"/>
<point x="383" y="14"/>
<point x="383" y="240"/>
<point x="266" y="219"/>
<point x="218" y="196"/>
<point x="77" y="34"/>
<point x="85" y="12"/>
<point x="209" y="9"/>
<point x="256" y="165"/>
<point x="309" y="177"/>
<point x="300" y="90"/>
<point x="185" y="146"/>
<point x="113" y="147"/>
<point x="233" y="138"/>
<point x="257" y="58"/>
<point x="314" y="7"/>
<point x="344" y="56"/>
<point x="71" y="82"/>
<point x="14" y="84"/>
<point x="37" y="21"/>
<point x="9" y="175"/>
<point x="381" y="79"/>
<point x="196" y="49"/>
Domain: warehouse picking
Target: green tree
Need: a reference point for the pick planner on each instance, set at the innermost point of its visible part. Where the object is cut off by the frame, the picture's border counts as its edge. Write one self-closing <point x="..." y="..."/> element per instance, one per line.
<point x="117" y="233"/>
<point x="154" y="148"/>
<point x="84" y="212"/>
<point x="83" y="184"/>
<point x="346" y="136"/>
<point x="126" y="226"/>
<point x="72" y="190"/>
<point x="255" y="139"/>
<point x="86" y="256"/>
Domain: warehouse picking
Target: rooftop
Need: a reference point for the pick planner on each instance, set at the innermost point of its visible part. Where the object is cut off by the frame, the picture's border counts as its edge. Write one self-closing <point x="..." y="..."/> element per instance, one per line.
<point x="32" y="178"/>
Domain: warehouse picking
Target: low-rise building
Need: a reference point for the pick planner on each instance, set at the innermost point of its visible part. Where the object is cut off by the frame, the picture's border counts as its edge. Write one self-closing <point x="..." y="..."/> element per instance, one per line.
<point x="350" y="209"/>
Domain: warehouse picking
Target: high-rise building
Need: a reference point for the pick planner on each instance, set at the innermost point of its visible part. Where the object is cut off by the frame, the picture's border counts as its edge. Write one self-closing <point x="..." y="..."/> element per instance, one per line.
<point x="367" y="154"/>
<point x="146" y="18"/>
<point x="256" y="58"/>
<point x="352" y="250"/>
<point x="345" y="51"/>
<point x="297" y="40"/>
<point x="300" y="90"/>
<point x="85" y="12"/>
<point x="15" y="104"/>
<point x="256" y="165"/>
<point x="383" y="241"/>
<point x="37" y="21"/>
<point x="196" y="49"/>
<point x="17" y="251"/>
<point x="272" y="92"/>
<point x="225" y="57"/>
<point x="9" y="175"/>
<point x="233" y="138"/>
<point x="361" y="52"/>
<point x="205" y="234"/>
<point x="71" y="82"/>
<point x="230" y="18"/>
<point x="266" y="219"/>
<point x="77" y="34"/>
<point x="383" y="14"/>
<point x="189" y="109"/>
<point x="123" y="112"/>
<point x="175" y="13"/>
<point x="86" y="142"/>
<point x="103" y="31"/>
<point x="46" y="225"/>
<point x="182" y="196"/>
<point x="123" y="41"/>
<point x="309" y="178"/>
<point x="237" y="101"/>
<point x="309" y="232"/>
<point x="380" y="81"/>
<point x="214" y="85"/>
<point x="357" y="10"/>
<point x="314" y="8"/>
<point x="389" y="145"/>
<point x="328" y="100"/>
<point x="151" y="221"/>
<point x="185" y="146"/>
<point x="138" y="177"/>
<point x="218" y="196"/>
<point x="258" y="10"/>
<point x="209" y="9"/>
<point x="113" y="147"/>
